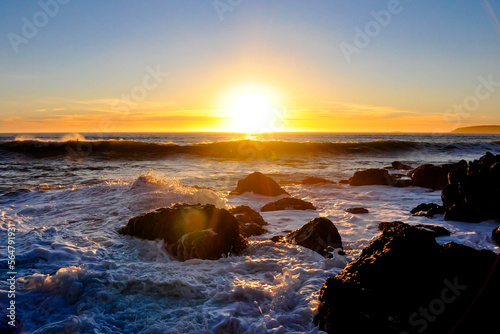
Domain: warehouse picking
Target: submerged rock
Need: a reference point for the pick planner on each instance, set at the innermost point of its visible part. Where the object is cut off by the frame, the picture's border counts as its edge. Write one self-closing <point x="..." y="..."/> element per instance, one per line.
<point x="190" y="231"/>
<point x="473" y="194"/>
<point x="319" y="234"/>
<point x="357" y="210"/>
<point x="316" y="180"/>
<point x="288" y="203"/>
<point x="434" y="177"/>
<point x="371" y="176"/>
<point x="260" y="184"/>
<point x="405" y="282"/>
<point x="250" y="221"/>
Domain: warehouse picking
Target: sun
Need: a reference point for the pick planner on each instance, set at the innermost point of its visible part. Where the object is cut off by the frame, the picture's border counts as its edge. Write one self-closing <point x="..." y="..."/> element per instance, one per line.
<point x="252" y="108"/>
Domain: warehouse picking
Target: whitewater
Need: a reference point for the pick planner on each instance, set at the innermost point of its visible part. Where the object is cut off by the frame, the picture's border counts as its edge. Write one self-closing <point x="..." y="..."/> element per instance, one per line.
<point x="68" y="195"/>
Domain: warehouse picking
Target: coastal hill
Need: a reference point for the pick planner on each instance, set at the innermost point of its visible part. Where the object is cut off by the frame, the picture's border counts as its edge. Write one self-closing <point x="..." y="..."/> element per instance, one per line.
<point x="478" y="129"/>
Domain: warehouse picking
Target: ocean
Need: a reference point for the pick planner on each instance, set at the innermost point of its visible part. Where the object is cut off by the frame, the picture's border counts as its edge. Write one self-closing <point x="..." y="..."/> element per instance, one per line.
<point x="67" y="196"/>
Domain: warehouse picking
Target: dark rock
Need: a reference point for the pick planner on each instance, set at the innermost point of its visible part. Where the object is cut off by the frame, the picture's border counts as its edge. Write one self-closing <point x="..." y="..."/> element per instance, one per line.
<point x="435" y="210"/>
<point x="357" y="210"/>
<point x="438" y="231"/>
<point x="428" y="209"/>
<point x="389" y="225"/>
<point x="474" y="191"/>
<point x="250" y="221"/>
<point x="190" y="231"/>
<point x="344" y="182"/>
<point x="405" y="273"/>
<point x="259" y="183"/>
<point x="371" y="176"/>
<point x="434" y="177"/>
<point x="403" y="183"/>
<point x="319" y="234"/>
<point x="423" y="207"/>
<point x="400" y="166"/>
<point x="278" y="238"/>
<point x="288" y="203"/>
<point x="495" y="235"/>
<point x="316" y="180"/>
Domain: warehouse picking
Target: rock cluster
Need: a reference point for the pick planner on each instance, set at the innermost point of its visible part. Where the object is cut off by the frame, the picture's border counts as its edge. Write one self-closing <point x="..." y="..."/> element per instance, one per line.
<point x="405" y="282"/>
<point x="190" y="231"/>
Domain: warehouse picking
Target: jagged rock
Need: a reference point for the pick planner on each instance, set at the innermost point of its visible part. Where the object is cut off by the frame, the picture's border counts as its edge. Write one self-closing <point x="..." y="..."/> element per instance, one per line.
<point x="357" y="211"/>
<point x="316" y="180"/>
<point x="319" y="234"/>
<point x="434" y="177"/>
<point x="371" y="176"/>
<point x="405" y="282"/>
<point x="473" y="194"/>
<point x="439" y="231"/>
<point x="288" y="203"/>
<point x="250" y="221"/>
<point x="259" y="183"/>
<point x="190" y="231"/>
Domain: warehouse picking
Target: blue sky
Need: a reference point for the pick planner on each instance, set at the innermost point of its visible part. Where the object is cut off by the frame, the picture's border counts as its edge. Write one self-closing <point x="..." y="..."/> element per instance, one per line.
<point x="426" y="59"/>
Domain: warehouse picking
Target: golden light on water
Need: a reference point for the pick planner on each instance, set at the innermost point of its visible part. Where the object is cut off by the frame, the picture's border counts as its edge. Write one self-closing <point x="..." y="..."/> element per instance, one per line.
<point x="252" y="108"/>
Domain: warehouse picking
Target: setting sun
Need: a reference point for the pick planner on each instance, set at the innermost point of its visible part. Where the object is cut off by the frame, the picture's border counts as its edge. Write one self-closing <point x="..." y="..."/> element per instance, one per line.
<point x="252" y="108"/>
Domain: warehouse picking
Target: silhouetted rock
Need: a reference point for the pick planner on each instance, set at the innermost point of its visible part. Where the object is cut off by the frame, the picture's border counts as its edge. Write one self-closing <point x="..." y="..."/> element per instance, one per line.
<point x="400" y="166"/>
<point x="371" y="176"/>
<point x="344" y="182"/>
<point x="433" y="177"/>
<point x="259" y="183"/>
<point x="438" y="231"/>
<point x="288" y="203"/>
<point x="495" y="235"/>
<point x="250" y="221"/>
<point x="473" y="194"/>
<point x="357" y="211"/>
<point x="319" y="234"/>
<point x="428" y="210"/>
<point x="190" y="231"/>
<point x="316" y="180"/>
<point x="405" y="282"/>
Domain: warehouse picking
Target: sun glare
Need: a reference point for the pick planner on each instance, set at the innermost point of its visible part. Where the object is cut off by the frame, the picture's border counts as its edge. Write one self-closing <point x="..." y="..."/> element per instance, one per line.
<point x="252" y="108"/>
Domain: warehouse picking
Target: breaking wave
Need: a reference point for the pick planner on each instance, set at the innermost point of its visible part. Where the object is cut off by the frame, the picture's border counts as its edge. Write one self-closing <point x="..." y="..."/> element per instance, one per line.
<point x="77" y="145"/>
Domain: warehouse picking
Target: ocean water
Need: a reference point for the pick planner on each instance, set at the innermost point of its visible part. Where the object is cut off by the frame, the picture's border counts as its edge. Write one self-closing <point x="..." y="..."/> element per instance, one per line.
<point x="67" y="196"/>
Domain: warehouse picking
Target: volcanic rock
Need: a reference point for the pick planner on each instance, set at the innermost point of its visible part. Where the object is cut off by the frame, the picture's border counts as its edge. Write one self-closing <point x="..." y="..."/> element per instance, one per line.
<point x="371" y="176"/>
<point x="249" y="220"/>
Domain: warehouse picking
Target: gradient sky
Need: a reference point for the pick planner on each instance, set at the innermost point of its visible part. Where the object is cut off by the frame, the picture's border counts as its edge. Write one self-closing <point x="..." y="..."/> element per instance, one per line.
<point x="71" y="75"/>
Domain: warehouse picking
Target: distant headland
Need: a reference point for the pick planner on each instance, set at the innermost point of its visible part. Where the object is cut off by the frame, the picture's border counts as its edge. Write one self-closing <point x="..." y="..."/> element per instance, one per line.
<point x="478" y="129"/>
